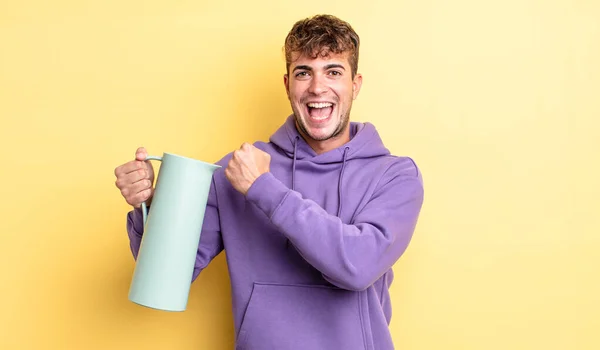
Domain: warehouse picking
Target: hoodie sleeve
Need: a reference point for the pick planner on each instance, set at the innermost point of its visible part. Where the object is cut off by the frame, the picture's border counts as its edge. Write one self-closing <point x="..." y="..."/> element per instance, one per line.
<point x="352" y="256"/>
<point x="211" y="242"/>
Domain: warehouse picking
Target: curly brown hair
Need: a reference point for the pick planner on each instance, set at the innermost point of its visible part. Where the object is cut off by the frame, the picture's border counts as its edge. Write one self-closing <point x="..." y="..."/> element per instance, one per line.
<point x="318" y="36"/>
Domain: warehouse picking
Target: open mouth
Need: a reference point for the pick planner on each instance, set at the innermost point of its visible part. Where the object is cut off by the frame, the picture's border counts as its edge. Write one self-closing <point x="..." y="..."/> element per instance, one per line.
<point x="319" y="111"/>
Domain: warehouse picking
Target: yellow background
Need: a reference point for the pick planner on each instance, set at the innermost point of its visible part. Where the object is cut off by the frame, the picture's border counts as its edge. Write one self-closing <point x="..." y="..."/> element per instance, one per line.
<point x="498" y="102"/>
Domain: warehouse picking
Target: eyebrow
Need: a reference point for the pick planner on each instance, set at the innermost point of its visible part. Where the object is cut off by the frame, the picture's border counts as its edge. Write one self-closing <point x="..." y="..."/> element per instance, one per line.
<point x="309" y="68"/>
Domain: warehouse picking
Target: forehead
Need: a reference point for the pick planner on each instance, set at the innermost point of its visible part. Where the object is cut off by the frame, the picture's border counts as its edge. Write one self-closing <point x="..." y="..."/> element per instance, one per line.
<point x="299" y="58"/>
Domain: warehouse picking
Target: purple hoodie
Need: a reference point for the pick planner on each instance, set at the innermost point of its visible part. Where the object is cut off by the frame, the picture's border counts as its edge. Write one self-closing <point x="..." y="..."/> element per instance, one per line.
<point x="310" y="248"/>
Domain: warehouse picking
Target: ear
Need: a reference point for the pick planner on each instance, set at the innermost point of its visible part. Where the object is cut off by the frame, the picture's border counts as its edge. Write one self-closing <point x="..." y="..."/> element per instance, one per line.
<point x="286" y="82"/>
<point x="356" y="84"/>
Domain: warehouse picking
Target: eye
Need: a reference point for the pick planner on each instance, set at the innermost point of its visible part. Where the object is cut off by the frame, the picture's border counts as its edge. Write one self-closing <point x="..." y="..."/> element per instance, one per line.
<point x="301" y="74"/>
<point x="335" y="73"/>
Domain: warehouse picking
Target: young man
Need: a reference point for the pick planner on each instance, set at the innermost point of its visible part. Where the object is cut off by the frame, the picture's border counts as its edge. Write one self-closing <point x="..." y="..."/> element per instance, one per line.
<point x="313" y="220"/>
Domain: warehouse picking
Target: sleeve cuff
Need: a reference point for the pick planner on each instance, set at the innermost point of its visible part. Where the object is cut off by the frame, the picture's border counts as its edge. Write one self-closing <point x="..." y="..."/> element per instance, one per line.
<point x="137" y="219"/>
<point x="267" y="193"/>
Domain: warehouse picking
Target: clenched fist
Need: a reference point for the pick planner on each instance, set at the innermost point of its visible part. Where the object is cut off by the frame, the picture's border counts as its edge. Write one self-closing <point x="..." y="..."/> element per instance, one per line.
<point x="135" y="179"/>
<point x="245" y="166"/>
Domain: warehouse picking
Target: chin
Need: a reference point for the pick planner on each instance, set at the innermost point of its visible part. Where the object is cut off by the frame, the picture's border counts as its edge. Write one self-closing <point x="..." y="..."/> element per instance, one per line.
<point x="320" y="135"/>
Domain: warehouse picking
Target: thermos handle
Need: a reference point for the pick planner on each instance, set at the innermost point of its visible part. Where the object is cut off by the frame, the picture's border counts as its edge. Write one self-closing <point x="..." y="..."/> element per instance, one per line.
<point x="144" y="208"/>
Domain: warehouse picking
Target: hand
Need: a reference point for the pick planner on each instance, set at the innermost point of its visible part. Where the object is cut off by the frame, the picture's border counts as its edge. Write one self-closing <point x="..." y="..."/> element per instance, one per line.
<point x="246" y="165"/>
<point x="135" y="179"/>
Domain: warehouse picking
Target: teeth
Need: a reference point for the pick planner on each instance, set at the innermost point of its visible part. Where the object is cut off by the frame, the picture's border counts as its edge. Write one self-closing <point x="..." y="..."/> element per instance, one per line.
<point x="320" y="105"/>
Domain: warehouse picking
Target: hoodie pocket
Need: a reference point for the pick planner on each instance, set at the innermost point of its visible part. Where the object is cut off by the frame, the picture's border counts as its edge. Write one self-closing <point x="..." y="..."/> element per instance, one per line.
<point x="295" y="317"/>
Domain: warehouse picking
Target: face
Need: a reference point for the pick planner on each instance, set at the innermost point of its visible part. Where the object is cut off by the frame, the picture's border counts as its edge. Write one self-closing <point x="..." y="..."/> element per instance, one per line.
<point x="321" y="91"/>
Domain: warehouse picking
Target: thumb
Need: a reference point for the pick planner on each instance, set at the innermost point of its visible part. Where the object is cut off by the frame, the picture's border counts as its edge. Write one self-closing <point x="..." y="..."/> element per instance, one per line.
<point x="141" y="154"/>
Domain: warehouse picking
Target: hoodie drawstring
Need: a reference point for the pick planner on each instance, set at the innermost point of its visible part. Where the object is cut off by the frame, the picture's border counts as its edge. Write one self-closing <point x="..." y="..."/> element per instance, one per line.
<point x="287" y="241"/>
<point x="340" y="182"/>
<point x="294" y="164"/>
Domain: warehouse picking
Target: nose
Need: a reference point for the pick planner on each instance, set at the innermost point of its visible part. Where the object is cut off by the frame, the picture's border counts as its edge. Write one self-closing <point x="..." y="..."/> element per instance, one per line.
<point x="317" y="85"/>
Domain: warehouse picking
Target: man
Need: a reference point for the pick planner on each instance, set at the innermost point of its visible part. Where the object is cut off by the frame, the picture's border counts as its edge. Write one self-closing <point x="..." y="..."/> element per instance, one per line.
<point x="313" y="220"/>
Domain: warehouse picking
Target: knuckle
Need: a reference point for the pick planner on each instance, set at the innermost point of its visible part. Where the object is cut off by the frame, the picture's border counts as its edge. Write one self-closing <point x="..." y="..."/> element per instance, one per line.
<point x="125" y="192"/>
